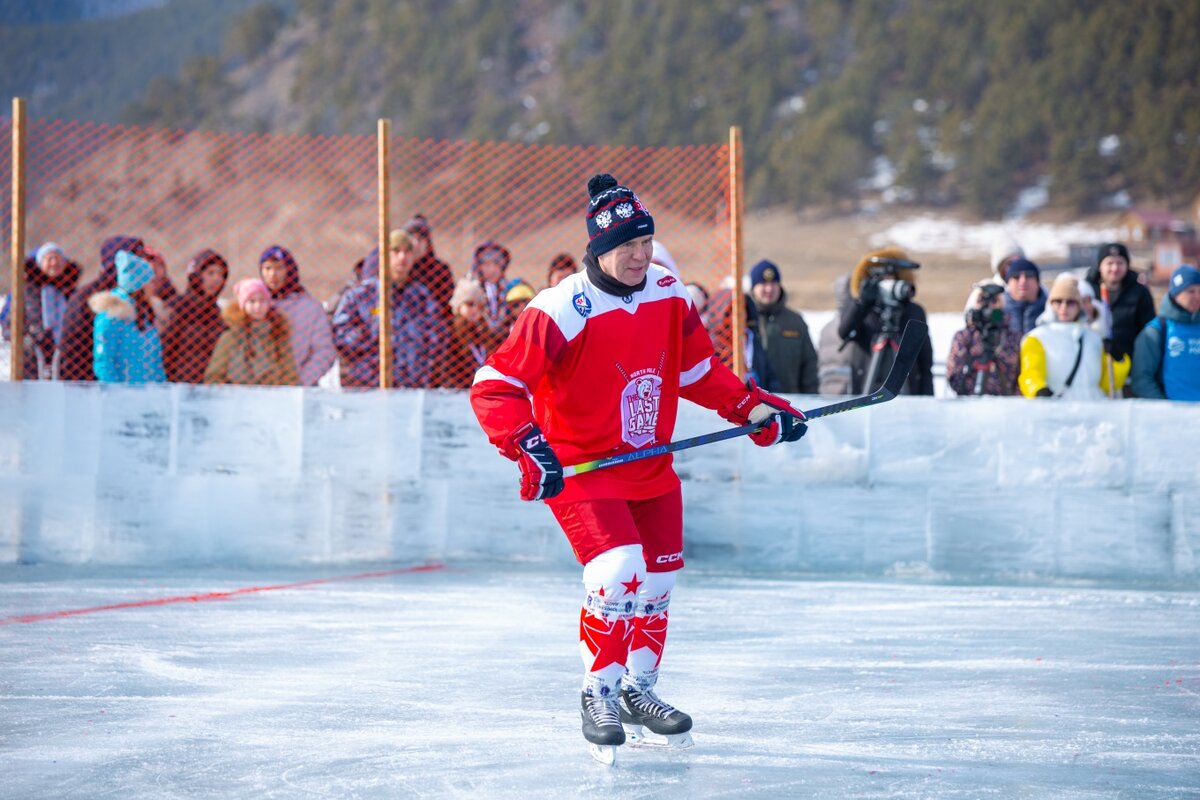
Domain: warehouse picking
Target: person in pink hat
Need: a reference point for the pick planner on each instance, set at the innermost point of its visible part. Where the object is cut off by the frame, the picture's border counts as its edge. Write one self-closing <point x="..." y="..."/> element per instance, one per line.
<point x="256" y="348"/>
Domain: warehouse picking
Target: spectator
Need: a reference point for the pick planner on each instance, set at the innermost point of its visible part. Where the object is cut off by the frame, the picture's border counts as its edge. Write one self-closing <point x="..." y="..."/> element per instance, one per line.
<point x="419" y="331"/>
<point x="50" y="280"/>
<point x="661" y="256"/>
<point x="191" y="335"/>
<point x="312" y="339"/>
<point x="1005" y="250"/>
<point x="160" y="291"/>
<point x="718" y="321"/>
<point x="77" y="345"/>
<point x="561" y="266"/>
<point x="490" y="263"/>
<point x="353" y="279"/>
<point x="984" y="357"/>
<point x="255" y="349"/>
<point x="427" y="268"/>
<point x="1166" y="354"/>
<point x="1129" y="301"/>
<point x="1025" y="299"/>
<point x="516" y="298"/>
<point x="783" y="334"/>
<point x="757" y="365"/>
<point x="1099" y="316"/>
<point x="471" y="341"/>
<point x="160" y="286"/>
<point x="840" y="367"/>
<point x="1064" y="357"/>
<point x="125" y="339"/>
<point x="873" y="310"/>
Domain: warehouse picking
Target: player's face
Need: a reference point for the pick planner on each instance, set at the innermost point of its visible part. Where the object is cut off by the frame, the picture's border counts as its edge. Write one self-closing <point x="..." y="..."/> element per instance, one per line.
<point x="628" y="262"/>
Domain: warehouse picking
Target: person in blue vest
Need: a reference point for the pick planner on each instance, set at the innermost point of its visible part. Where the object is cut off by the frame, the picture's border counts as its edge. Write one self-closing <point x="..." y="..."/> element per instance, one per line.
<point x="1166" y="354"/>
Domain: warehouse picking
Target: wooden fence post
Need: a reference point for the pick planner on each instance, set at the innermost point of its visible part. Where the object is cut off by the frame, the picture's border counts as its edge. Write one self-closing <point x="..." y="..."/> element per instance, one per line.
<point x="16" y="312"/>
<point x="385" y="277"/>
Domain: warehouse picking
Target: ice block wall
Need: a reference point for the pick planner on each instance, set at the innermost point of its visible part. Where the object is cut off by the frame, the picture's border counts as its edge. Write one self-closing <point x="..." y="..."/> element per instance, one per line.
<point x="966" y="488"/>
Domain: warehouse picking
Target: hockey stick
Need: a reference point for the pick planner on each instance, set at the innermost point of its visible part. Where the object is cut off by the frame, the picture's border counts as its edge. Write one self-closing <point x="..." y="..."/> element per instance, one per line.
<point x="906" y="356"/>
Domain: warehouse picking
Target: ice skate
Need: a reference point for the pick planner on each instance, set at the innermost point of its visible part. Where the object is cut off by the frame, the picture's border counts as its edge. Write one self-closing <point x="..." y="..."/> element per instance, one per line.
<point x="602" y="728"/>
<point x="651" y="722"/>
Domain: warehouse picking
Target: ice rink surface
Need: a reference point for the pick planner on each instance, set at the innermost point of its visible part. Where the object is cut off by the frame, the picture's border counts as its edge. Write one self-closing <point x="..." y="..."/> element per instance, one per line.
<point x="463" y="682"/>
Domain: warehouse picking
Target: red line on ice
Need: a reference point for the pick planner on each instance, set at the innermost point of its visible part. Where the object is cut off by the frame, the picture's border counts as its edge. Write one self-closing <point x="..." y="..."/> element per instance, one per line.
<point x="200" y="598"/>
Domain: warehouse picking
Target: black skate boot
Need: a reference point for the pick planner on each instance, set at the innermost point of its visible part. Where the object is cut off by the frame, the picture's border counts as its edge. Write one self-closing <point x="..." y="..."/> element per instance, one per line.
<point x="602" y="727"/>
<point x="645" y="710"/>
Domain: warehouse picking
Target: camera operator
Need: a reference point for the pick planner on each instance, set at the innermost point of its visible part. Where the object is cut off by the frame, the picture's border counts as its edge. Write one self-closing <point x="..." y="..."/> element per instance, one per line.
<point x="882" y="287"/>
<point x="985" y="356"/>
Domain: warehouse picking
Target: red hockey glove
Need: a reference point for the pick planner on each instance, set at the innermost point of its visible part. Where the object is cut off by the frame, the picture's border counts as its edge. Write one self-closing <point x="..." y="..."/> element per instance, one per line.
<point x="784" y="423"/>
<point x="541" y="471"/>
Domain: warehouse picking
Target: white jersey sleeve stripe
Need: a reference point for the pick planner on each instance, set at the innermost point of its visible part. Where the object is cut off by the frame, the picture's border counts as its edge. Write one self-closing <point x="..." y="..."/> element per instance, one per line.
<point x="690" y="376"/>
<point x="490" y="373"/>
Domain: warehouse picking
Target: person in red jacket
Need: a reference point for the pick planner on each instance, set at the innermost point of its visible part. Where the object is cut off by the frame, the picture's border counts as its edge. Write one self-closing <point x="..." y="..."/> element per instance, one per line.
<point x="595" y="367"/>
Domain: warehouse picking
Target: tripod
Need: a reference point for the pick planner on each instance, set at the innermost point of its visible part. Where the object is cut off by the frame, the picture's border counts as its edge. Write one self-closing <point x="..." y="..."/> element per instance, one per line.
<point x="985" y="363"/>
<point x="884" y="345"/>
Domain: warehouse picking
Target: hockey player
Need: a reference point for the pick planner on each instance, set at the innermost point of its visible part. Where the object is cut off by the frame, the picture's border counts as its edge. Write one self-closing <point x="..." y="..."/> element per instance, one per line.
<point x="596" y="367"/>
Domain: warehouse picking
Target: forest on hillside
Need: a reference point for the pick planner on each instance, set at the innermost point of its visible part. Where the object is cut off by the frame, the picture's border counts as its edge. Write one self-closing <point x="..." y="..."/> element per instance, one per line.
<point x="940" y="102"/>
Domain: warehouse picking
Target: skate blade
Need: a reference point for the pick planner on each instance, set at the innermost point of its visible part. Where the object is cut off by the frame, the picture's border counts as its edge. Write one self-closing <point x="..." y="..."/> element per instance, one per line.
<point x="606" y="754"/>
<point x="637" y="736"/>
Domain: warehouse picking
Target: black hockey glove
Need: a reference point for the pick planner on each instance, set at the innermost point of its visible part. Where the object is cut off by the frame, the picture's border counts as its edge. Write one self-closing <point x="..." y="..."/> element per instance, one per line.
<point x="541" y="471"/>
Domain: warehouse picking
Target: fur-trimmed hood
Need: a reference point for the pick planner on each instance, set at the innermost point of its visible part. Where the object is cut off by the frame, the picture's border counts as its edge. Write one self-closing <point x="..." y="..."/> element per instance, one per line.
<point x="859" y="274"/>
<point x="119" y="305"/>
<point x="65" y="283"/>
<point x="116" y="304"/>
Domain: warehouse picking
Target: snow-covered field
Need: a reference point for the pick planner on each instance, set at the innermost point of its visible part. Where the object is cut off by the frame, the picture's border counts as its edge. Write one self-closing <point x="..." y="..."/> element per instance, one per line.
<point x="933" y="234"/>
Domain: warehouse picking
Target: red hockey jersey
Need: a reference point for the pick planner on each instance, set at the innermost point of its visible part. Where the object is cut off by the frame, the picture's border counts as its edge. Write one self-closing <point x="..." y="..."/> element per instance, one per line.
<point x="603" y="375"/>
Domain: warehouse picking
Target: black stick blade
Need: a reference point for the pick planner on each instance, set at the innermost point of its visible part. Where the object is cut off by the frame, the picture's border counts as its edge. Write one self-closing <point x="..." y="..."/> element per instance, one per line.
<point x="911" y="342"/>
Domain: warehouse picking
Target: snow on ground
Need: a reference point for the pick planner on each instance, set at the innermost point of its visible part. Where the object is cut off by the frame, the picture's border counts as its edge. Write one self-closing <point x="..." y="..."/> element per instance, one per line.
<point x="927" y="233"/>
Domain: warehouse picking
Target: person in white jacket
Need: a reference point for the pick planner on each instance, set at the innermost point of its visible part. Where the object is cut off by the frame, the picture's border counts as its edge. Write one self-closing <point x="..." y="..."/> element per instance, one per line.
<point x="312" y="335"/>
<point x="1063" y="356"/>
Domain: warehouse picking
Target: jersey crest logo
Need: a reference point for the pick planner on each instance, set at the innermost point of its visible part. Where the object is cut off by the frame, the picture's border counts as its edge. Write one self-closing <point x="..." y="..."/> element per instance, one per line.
<point x="582" y="304"/>
<point x="666" y="280"/>
<point x="640" y="401"/>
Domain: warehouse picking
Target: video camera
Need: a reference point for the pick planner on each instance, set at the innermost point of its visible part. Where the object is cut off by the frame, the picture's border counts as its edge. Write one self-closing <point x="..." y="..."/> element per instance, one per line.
<point x="990" y="316"/>
<point x="890" y="290"/>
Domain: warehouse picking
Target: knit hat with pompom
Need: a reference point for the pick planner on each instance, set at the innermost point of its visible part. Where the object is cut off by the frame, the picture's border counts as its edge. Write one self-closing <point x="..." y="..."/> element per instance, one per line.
<point x="614" y="215"/>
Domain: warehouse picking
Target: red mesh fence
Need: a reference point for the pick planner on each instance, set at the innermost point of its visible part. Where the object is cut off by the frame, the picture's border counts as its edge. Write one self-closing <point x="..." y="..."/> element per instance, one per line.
<point x="206" y="212"/>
